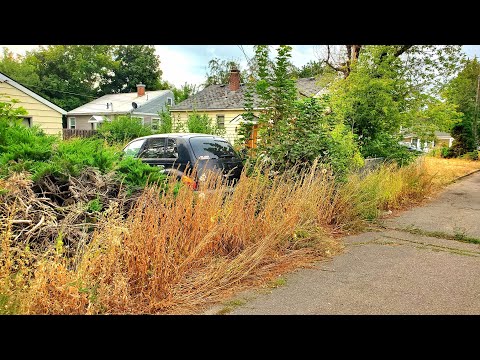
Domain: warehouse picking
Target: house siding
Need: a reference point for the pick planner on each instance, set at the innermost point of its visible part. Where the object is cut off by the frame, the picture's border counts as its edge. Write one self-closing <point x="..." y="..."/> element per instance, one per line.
<point x="231" y="128"/>
<point x="48" y="119"/>
<point x="83" y="124"/>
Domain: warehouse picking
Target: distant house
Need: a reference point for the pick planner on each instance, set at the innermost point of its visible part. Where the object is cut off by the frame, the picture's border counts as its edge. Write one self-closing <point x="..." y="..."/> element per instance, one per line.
<point x="441" y="139"/>
<point x="225" y="103"/>
<point x="144" y="105"/>
<point x="40" y="111"/>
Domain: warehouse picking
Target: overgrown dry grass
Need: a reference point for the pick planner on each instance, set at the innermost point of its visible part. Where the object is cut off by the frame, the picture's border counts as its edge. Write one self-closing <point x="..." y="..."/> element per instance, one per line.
<point x="444" y="171"/>
<point x="177" y="253"/>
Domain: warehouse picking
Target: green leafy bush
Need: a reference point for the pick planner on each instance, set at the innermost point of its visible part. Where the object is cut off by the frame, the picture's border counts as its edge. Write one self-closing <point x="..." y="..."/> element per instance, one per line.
<point x="71" y="156"/>
<point x="136" y="174"/>
<point x="387" y="146"/>
<point x="202" y="124"/>
<point x="123" y="129"/>
<point x="471" y="155"/>
<point x="21" y="148"/>
<point x="166" y="122"/>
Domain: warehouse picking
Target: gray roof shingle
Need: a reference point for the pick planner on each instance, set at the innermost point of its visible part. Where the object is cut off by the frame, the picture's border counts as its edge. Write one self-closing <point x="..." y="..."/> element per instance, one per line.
<point x="219" y="97"/>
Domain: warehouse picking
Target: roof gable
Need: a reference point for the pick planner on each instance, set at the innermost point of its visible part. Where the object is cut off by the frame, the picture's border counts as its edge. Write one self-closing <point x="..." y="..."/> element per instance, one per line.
<point x="5" y="79"/>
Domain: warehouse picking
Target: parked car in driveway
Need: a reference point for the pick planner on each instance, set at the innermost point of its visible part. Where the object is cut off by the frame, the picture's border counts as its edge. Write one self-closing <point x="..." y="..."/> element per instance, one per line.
<point x="179" y="153"/>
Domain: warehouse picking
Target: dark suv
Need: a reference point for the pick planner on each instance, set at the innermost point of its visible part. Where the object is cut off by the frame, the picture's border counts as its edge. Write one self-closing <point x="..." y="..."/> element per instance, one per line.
<point x="177" y="152"/>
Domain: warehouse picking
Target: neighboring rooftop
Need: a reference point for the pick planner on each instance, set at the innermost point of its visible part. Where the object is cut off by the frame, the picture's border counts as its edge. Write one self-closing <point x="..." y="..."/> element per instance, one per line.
<point x="438" y="134"/>
<point x="220" y="97"/>
<point x="309" y="87"/>
<point x="121" y="103"/>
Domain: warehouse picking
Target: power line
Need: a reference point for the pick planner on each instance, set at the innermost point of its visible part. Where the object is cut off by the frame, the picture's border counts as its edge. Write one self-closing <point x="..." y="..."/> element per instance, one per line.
<point x="65" y="92"/>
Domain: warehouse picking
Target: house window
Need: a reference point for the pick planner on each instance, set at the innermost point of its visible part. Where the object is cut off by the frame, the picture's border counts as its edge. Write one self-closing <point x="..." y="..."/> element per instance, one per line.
<point x="169" y="101"/>
<point x="221" y="121"/>
<point x="72" y="123"/>
<point x="27" y="121"/>
<point x="155" y="123"/>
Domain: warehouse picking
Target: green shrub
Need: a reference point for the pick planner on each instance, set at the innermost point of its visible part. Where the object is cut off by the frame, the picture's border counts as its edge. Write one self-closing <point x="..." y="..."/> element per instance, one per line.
<point x="22" y="148"/>
<point x="166" y="122"/>
<point x="472" y="155"/>
<point x="202" y="124"/>
<point x="94" y="205"/>
<point x="72" y="156"/>
<point x="388" y="147"/>
<point x="123" y="129"/>
<point x="136" y="174"/>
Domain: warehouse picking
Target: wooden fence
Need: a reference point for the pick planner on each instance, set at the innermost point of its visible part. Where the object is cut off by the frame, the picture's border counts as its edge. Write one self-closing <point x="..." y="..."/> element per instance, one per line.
<point x="69" y="133"/>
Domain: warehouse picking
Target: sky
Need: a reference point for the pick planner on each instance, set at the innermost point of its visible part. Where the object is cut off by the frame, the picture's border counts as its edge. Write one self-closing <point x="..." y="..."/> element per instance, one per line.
<point x="188" y="63"/>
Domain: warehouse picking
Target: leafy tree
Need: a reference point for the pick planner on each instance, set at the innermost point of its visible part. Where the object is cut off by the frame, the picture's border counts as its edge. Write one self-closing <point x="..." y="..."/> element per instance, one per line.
<point x="425" y="63"/>
<point x="18" y="69"/>
<point x="313" y="134"/>
<point x="462" y="92"/>
<point x="380" y="93"/>
<point x="70" y="75"/>
<point x="294" y="132"/>
<point x="218" y="71"/>
<point x="185" y="91"/>
<point x="133" y="64"/>
<point x="310" y="69"/>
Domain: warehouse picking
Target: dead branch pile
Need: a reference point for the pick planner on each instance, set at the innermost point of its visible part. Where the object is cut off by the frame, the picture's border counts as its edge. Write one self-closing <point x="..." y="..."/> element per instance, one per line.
<point x="53" y="211"/>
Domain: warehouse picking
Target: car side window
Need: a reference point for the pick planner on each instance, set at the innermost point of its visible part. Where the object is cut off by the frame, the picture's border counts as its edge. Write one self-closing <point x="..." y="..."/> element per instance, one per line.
<point x="134" y="147"/>
<point x="171" y="150"/>
<point x="155" y="149"/>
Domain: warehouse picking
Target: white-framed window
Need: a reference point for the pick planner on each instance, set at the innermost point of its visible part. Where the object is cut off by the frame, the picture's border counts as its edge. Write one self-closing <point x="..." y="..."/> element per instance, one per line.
<point x="155" y="123"/>
<point x="169" y="101"/>
<point x="72" y="123"/>
<point x="139" y="118"/>
<point x="221" y="121"/>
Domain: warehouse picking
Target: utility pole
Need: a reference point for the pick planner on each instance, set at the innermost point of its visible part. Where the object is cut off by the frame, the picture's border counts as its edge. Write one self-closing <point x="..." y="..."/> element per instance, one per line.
<point x="475" y="122"/>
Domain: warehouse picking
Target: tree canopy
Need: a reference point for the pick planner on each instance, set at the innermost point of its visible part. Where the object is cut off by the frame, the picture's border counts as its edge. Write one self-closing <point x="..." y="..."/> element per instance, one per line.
<point x="71" y="75"/>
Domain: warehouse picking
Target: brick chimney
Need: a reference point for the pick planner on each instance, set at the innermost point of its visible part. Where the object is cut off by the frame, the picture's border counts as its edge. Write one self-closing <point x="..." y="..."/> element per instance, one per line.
<point x="140" y="90"/>
<point x="234" y="83"/>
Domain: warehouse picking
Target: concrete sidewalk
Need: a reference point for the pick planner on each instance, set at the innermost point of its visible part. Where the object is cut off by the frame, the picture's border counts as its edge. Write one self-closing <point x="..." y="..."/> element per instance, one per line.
<point x="393" y="271"/>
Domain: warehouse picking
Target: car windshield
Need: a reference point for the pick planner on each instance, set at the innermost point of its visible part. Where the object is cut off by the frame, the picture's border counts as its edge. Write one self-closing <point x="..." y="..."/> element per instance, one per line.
<point x="211" y="148"/>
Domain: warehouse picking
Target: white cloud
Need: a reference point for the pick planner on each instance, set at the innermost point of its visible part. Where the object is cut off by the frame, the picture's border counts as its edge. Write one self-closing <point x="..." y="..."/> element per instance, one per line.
<point x="177" y="66"/>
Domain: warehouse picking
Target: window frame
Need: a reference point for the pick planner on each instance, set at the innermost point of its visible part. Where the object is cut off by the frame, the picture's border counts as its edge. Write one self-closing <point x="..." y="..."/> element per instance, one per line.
<point x="70" y="122"/>
<point x="171" y="101"/>
<point x="223" y="123"/>
<point x="158" y="123"/>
